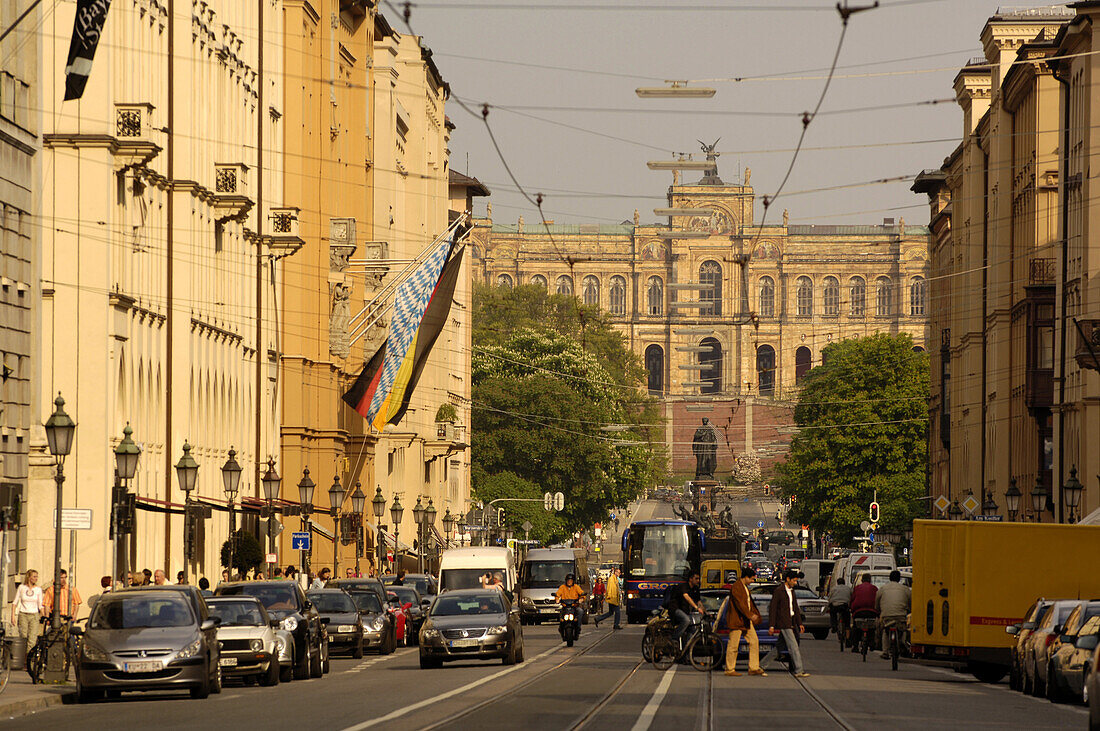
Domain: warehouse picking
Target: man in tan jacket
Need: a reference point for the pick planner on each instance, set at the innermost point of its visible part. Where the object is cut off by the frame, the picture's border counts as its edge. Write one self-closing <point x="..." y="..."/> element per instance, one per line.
<point x="741" y="618"/>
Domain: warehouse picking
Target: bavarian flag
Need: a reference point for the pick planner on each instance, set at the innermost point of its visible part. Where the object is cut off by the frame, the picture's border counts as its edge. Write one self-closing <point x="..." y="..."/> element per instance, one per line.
<point x="382" y="391"/>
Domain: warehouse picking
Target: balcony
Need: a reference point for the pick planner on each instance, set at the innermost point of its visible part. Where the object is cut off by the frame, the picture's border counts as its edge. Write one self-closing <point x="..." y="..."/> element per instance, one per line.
<point x="134" y="144"/>
<point x="231" y="199"/>
<point x="1087" y="352"/>
<point x="1041" y="272"/>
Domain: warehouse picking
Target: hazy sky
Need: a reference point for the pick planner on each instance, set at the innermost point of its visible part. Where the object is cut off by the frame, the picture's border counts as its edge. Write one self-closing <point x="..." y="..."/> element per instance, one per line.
<point x="481" y="47"/>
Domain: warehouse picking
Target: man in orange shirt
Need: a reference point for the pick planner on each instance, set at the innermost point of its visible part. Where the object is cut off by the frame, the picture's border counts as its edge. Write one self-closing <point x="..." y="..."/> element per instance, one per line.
<point x="70" y="598"/>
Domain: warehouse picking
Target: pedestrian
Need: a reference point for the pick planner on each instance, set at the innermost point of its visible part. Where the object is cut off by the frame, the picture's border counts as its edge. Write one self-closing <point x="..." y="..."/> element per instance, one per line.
<point x="614" y="599"/>
<point x="69" y="596"/>
<point x="785" y="620"/>
<point x="137" y="578"/>
<point x="181" y="577"/>
<point x="349" y="573"/>
<point x="400" y="580"/>
<point x="159" y="579"/>
<point x="225" y="576"/>
<point x="204" y="587"/>
<point x="277" y="572"/>
<point x="147" y="579"/>
<point x="741" y="619"/>
<point x="27" y="608"/>
<point x="598" y="592"/>
<point x="104" y="588"/>
<point x="321" y="579"/>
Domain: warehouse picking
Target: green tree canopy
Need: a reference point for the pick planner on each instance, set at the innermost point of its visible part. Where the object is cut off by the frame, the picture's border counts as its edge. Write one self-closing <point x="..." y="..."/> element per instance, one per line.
<point x="863" y="426"/>
<point x="247" y="553"/>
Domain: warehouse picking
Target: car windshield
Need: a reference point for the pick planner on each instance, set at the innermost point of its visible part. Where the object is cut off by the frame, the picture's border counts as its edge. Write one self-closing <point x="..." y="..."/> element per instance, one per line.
<point x="711" y="602"/>
<point x="136" y="612"/>
<point x="546" y="574"/>
<point x="367" y="601"/>
<point x="406" y="594"/>
<point x="274" y="598"/>
<point x="451" y="579"/>
<point x="805" y="594"/>
<point x="452" y="606"/>
<point x="421" y="584"/>
<point x="237" y="614"/>
<point x="332" y="603"/>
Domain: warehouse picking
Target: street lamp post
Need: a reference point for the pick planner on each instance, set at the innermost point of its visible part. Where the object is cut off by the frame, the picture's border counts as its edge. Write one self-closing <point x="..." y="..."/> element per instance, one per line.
<point x="429" y="525"/>
<point x="127" y="454"/>
<point x="418" y="518"/>
<point x="1038" y="499"/>
<point x="989" y="507"/>
<point x="231" y="482"/>
<point x="378" y="505"/>
<point x="187" y="472"/>
<point x="448" y="526"/>
<point x="335" y="500"/>
<point x="1072" y="490"/>
<point x="955" y="511"/>
<point x="358" y="505"/>
<point x="1012" y="499"/>
<point x="305" y="498"/>
<point x="271" y="482"/>
<point x="396" y="511"/>
<point x="60" y="430"/>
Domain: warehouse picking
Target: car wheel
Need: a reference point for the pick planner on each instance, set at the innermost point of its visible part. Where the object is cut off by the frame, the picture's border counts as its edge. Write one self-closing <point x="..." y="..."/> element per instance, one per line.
<point x="286" y="674"/>
<point x="316" y="664"/>
<point x="510" y="656"/>
<point x="216" y="681"/>
<point x="301" y="670"/>
<point x="326" y="658"/>
<point x="202" y="690"/>
<point x="357" y="652"/>
<point x="390" y="645"/>
<point x="1054" y="691"/>
<point x="86" y="695"/>
<point x="272" y="676"/>
<point x="519" y="653"/>
<point x="821" y="634"/>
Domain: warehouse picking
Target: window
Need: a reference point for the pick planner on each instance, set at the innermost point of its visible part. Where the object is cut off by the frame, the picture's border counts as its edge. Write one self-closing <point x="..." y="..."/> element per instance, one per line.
<point x="711" y="376"/>
<point x="591" y="288"/>
<point x="803" y="362"/>
<point x="565" y="284"/>
<point x="805" y="296"/>
<point x="857" y="288"/>
<point x="655" y="368"/>
<point x="655" y="291"/>
<point x="832" y="296"/>
<point x="710" y="273"/>
<point x="505" y="281"/>
<point x="618" y="296"/>
<point x="916" y="297"/>
<point x="765" y="370"/>
<point x="883" y="302"/>
<point x="539" y="280"/>
<point x="766" y="304"/>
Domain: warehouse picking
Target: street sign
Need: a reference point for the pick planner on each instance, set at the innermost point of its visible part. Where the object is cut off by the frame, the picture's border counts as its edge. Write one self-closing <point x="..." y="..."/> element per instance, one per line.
<point x="299" y="541"/>
<point x="559" y="501"/>
<point x="865" y="526"/>
<point x="276" y="527"/>
<point x="527" y="526"/>
<point x="971" y="504"/>
<point x="271" y="558"/>
<point x="941" y="504"/>
<point x="74" y="518"/>
<point x="990" y="518"/>
<point x="759" y="524"/>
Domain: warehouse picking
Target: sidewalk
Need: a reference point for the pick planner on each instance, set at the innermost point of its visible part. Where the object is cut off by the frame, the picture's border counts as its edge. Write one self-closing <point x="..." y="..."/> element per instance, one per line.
<point x="21" y="697"/>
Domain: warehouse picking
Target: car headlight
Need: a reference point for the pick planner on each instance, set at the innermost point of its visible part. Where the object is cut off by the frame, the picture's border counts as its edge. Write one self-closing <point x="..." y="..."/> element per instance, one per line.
<point x="191" y="650"/>
<point x="527" y="601"/>
<point x="429" y="634"/>
<point x="377" y="624"/>
<point x="345" y="628"/>
<point x="278" y="645"/>
<point x="94" y="652"/>
<point x="290" y="624"/>
<point x="498" y="630"/>
<point x="256" y="645"/>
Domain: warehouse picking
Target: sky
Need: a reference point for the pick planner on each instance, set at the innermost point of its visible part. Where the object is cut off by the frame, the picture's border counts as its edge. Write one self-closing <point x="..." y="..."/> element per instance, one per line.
<point x="902" y="56"/>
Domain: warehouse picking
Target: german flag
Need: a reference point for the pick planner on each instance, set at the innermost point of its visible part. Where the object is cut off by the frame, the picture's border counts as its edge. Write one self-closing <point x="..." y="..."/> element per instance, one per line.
<point x="363" y="391"/>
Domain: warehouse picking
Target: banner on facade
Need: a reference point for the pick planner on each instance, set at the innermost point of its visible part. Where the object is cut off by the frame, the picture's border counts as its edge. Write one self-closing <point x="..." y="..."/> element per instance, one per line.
<point x="87" y="28"/>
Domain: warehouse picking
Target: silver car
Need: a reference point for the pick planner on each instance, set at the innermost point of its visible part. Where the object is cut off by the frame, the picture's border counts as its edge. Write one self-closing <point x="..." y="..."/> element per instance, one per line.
<point x="148" y="639"/>
<point x="248" y="644"/>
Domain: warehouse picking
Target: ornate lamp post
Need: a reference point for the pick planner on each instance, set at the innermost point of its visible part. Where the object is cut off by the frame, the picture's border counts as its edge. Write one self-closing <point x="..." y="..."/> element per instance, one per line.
<point x="418" y="518"/>
<point x="1072" y="490"/>
<point x="1038" y="499"/>
<point x="335" y="500"/>
<point x="1012" y="499"/>
<point x="955" y="512"/>
<point x="448" y="525"/>
<point x="378" y="505"/>
<point x="358" y="505"/>
<point x="231" y="482"/>
<point x="127" y="454"/>
<point x="989" y="507"/>
<point x="429" y="524"/>
<point x="396" y="511"/>
<point x="60" y="430"/>
<point x="270" y="482"/>
<point x="187" y="472"/>
<point x="305" y="498"/>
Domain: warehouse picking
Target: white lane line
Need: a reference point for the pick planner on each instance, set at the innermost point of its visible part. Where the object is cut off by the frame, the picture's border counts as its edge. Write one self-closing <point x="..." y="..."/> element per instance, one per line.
<point x="998" y="686"/>
<point x="449" y="694"/>
<point x="646" y="719"/>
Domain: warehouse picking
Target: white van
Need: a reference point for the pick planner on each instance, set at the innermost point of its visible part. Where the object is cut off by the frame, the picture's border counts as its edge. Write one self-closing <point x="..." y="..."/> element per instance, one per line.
<point x="856" y="563"/>
<point x="464" y="568"/>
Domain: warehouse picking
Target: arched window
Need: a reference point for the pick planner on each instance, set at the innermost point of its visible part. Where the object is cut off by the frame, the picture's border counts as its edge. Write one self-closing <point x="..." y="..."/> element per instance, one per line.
<point x="539" y="280"/>
<point x="565" y="284"/>
<point x="711" y="376"/>
<point x="803" y="362"/>
<point x="832" y="296"/>
<point x="916" y="297"/>
<point x="765" y="370"/>
<point x="655" y="293"/>
<point x="618" y="295"/>
<point x="805" y="296"/>
<point x="766" y="304"/>
<point x="710" y="273"/>
<point x="591" y="287"/>
<point x="857" y="290"/>
<point x="884" y="306"/>
<point x="504" y="280"/>
<point x="655" y="368"/>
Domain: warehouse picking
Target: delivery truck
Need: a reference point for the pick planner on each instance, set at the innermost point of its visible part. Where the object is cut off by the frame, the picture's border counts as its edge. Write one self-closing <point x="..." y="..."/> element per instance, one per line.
<point x="972" y="579"/>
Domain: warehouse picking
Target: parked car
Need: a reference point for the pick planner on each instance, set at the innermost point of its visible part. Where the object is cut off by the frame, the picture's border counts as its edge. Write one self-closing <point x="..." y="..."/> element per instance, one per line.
<point x="1036" y="650"/>
<point x="412" y="602"/>
<point x="148" y="639"/>
<point x="379" y="626"/>
<point x="815" y="612"/>
<point x="1065" y="673"/>
<point x="286" y="602"/>
<point x="1092" y="690"/>
<point x="471" y="624"/>
<point x="425" y="584"/>
<point x="248" y="644"/>
<point x="341" y="618"/>
<point x="1021" y="632"/>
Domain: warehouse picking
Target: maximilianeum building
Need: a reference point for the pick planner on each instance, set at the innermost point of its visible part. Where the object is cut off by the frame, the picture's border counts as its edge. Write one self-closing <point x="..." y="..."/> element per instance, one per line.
<point x="727" y="316"/>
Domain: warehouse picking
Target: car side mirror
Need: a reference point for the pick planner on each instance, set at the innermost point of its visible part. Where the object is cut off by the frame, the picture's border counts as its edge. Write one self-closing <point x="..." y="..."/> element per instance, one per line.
<point x="325" y="621"/>
<point x="208" y="624"/>
<point x="276" y="623"/>
<point x="1028" y="626"/>
<point x="1012" y="630"/>
<point x="307" y="605"/>
<point x="1087" y="642"/>
<point x="425" y="603"/>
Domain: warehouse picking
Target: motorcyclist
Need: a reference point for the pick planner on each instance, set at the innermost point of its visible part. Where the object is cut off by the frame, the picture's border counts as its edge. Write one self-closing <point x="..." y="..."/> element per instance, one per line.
<point x="569" y="591"/>
<point x="893" y="603"/>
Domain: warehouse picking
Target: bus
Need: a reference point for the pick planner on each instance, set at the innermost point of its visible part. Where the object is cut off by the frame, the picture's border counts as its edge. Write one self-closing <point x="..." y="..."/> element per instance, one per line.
<point x="656" y="555"/>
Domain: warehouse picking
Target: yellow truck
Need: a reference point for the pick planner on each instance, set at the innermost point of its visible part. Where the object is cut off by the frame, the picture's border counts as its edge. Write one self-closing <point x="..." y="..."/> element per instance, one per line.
<point x="972" y="579"/>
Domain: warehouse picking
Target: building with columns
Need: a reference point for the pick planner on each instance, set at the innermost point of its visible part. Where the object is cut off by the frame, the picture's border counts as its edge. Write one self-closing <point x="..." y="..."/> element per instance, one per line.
<point x="726" y="314"/>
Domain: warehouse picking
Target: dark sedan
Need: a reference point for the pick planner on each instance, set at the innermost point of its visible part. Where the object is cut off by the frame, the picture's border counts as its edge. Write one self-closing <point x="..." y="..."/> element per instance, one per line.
<point x="340" y="615"/>
<point x="471" y="624"/>
<point x="286" y="602"/>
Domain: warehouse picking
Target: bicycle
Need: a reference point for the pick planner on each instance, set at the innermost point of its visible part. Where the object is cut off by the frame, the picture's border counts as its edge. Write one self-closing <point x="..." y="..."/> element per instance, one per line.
<point x="842" y="629"/>
<point x="866" y="627"/>
<point x="700" y="645"/>
<point x="5" y="658"/>
<point x="893" y="641"/>
<point x="38" y="656"/>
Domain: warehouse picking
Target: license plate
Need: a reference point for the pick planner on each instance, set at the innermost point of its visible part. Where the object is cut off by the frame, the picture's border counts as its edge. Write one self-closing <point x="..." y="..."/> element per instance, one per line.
<point x="227" y="662"/>
<point x="143" y="667"/>
<point x="463" y="643"/>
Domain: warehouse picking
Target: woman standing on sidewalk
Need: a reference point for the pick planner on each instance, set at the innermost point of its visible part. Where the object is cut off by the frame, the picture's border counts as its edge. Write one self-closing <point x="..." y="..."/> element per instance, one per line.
<point x="27" y="608"/>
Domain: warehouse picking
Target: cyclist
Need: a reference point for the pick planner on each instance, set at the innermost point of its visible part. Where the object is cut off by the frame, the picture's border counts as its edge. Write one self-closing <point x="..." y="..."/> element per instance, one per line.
<point x="862" y="605"/>
<point x="839" y="597"/>
<point x="892" y="603"/>
<point x="685" y="598"/>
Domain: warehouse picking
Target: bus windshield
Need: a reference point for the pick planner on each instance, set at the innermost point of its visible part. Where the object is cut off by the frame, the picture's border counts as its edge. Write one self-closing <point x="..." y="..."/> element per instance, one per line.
<point x="661" y="550"/>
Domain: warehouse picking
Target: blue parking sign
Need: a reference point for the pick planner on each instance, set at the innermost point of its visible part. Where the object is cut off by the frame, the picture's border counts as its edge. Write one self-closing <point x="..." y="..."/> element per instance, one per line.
<point x="759" y="524"/>
<point x="299" y="541"/>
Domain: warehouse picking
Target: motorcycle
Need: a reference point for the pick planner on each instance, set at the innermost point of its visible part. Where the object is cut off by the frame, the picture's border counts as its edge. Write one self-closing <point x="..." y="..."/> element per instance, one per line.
<point x="569" y="621"/>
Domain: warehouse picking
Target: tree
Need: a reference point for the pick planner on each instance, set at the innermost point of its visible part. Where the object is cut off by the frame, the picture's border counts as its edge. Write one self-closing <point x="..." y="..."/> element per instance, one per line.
<point x="863" y="421"/>
<point x="247" y="553"/>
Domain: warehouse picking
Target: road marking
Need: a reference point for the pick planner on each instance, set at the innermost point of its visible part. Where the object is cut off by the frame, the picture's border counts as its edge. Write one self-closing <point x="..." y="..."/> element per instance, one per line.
<point x="449" y="694"/>
<point x="646" y="719"/>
